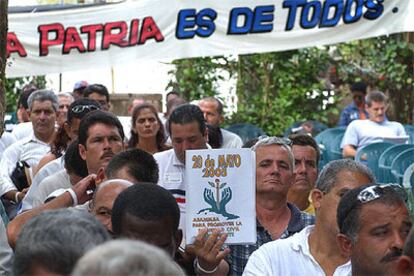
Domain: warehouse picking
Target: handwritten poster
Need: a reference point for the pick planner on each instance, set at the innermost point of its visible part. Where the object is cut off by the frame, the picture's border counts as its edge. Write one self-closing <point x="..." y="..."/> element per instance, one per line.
<point x="220" y="193"/>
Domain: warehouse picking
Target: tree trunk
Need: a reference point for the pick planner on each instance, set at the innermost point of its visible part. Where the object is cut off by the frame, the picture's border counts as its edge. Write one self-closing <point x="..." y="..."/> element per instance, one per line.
<point x="3" y="60"/>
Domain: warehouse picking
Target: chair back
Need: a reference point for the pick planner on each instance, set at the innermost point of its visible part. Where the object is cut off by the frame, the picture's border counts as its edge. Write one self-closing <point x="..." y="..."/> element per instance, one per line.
<point x="386" y="159"/>
<point x="401" y="162"/>
<point x="370" y="154"/>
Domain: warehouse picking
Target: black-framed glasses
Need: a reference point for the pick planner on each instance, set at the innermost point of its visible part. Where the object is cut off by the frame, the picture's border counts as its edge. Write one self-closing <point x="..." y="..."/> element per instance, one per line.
<point x="376" y="191"/>
<point x="83" y="108"/>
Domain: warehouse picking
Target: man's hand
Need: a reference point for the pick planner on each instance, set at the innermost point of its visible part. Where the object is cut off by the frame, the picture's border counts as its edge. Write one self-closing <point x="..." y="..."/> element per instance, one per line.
<point x="208" y="251"/>
<point x="83" y="189"/>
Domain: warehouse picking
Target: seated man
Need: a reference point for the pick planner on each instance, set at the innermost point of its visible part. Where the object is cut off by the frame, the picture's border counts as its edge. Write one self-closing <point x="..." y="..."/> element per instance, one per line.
<point x="360" y="133"/>
<point x="373" y="224"/>
<point x="134" y="165"/>
<point x="314" y="250"/>
<point x="306" y="153"/>
<point x="52" y="242"/>
<point x="149" y="213"/>
<point x="212" y="109"/>
<point x="356" y="110"/>
<point x="43" y="106"/>
<point x="405" y="266"/>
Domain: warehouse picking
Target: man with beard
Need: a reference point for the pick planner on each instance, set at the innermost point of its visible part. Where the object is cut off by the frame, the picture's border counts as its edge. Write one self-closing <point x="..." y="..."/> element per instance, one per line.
<point x="374" y="223"/>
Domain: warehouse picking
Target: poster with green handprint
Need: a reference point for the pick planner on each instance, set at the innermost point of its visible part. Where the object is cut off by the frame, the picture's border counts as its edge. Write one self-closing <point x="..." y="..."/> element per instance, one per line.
<point x="220" y="193"/>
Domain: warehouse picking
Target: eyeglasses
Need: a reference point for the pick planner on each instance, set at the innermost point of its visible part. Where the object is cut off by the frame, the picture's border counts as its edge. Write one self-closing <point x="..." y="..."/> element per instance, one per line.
<point x="376" y="191"/>
<point x="83" y="108"/>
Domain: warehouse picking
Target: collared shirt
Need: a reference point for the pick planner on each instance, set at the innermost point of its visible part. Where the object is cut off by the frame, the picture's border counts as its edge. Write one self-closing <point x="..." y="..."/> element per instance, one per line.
<point x="6" y="140"/>
<point x="230" y="139"/>
<point x="239" y="254"/>
<point x="360" y="133"/>
<point x="47" y="170"/>
<point x="172" y="173"/>
<point x="30" y="150"/>
<point x="349" y="114"/>
<point x="290" y="256"/>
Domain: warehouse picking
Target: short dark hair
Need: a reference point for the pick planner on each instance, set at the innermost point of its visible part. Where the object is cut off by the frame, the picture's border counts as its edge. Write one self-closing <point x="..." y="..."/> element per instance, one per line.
<point x="139" y="164"/>
<point x="185" y="114"/>
<point x="146" y="201"/>
<point x="349" y="208"/>
<point x="24" y="95"/>
<point x="375" y="96"/>
<point x="73" y="161"/>
<point x="98" y="117"/>
<point x="96" y="88"/>
<point x="213" y="99"/>
<point x="215" y="137"/>
<point x="305" y="140"/>
<point x="55" y="240"/>
<point x="328" y="176"/>
<point x="172" y="93"/>
<point x="359" y="87"/>
<point x="94" y="105"/>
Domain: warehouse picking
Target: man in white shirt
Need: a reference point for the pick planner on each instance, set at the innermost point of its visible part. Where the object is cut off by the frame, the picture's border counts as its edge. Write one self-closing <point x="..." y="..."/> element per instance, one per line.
<point x="314" y="251"/>
<point x="188" y="132"/>
<point x="374" y="222"/>
<point x="213" y="113"/>
<point x="43" y="106"/>
<point x="360" y="133"/>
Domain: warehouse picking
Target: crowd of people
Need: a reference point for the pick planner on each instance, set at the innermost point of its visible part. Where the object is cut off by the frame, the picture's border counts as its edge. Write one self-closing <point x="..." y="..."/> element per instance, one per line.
<point x="84" y="194"/>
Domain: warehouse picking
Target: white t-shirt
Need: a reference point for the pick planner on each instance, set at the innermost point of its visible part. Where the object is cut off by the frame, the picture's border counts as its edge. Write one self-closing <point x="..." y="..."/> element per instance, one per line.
<point x="230" y="140"/>
<point x="289" y="256"/>
<point x="360" y="133"/>
<point x="5" y="141"/>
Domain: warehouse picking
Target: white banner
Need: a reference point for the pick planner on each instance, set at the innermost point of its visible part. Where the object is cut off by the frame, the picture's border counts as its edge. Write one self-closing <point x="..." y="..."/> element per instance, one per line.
<point x="103" y="36"/>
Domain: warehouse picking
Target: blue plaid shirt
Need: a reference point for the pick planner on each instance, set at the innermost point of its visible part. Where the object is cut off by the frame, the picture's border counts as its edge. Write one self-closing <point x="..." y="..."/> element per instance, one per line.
<point x="240" y="253"/>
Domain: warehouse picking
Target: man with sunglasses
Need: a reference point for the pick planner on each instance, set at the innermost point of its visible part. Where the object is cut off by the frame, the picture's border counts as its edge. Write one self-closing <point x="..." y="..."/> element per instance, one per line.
<point x="360" y="133"/>
<point x="374" y="223"/>
<point x="314" y="250"/>
<point x="356" y="110"/>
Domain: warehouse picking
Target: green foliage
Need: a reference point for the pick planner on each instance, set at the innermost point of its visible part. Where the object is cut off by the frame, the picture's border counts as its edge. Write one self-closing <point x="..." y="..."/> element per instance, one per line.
<point x="14" y="86"/>
<point x="275" y="90"/>
<point x="196" y="78"/>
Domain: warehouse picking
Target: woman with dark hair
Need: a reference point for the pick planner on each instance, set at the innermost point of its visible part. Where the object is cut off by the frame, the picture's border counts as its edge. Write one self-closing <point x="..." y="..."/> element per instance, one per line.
<point x="147" y="131"/>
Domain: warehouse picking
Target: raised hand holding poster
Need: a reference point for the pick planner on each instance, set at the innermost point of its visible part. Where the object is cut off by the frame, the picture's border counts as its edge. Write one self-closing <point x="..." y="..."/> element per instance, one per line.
<point x="220" y="193"/>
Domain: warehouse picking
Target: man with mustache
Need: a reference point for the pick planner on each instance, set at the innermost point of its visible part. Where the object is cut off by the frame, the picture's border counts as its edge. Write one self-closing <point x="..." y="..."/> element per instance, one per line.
<point x="360" y="133"/>
<point x="43" y="105"/>
<point x="306" y="154"/>
<point x="405" y="266"/>
<point x="314" y="250"/>
<point x="374" y="223"/>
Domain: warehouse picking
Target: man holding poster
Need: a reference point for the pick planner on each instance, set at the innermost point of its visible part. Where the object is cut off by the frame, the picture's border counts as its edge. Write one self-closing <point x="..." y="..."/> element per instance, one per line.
<point x="276" y="218"/>
<point x="188" y="131"/>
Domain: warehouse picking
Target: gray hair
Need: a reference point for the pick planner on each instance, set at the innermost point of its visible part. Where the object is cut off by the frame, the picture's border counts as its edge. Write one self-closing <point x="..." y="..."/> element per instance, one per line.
<point x="283" y="142"/>
<point x="328" y="177"/>
<point x="66" y="95"/>
<point x="41" y="96"/>
<point x="128" y="258"/>
<point x="55" y="240"/>
<point x="375" y="96"/>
